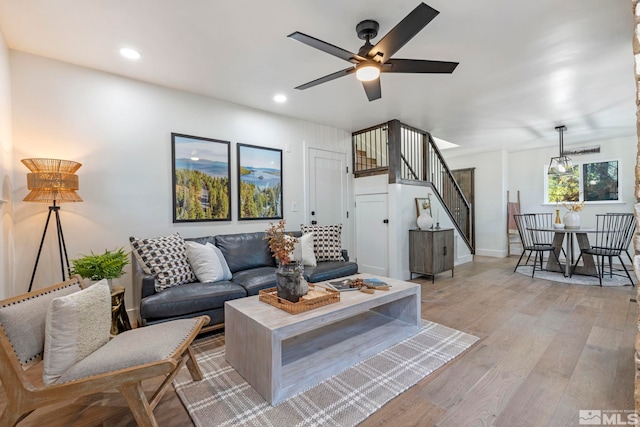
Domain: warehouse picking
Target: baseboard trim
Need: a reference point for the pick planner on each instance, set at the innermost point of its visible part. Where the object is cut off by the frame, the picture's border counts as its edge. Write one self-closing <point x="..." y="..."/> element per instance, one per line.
<point x="463" y="259"/>
<point x="502" y="253"/>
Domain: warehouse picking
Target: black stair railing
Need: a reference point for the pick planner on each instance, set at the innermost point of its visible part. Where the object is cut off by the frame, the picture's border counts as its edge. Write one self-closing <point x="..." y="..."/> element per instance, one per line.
<point x="412" y="158"/>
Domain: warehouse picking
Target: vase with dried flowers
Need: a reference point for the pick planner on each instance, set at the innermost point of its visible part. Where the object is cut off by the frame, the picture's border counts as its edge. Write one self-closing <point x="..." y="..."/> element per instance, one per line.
<point x="290" y="282"/>
<point x="571" y="219"/>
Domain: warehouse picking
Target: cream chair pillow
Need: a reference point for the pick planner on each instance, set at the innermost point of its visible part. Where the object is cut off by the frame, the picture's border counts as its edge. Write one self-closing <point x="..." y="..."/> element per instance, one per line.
<point x="76" y="325"/>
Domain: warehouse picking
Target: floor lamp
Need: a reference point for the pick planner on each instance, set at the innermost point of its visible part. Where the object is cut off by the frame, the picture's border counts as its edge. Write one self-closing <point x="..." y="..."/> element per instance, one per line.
<point x="52" y="181"/>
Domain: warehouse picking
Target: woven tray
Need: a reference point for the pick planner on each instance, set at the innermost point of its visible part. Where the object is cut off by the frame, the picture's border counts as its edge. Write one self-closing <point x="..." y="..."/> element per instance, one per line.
<point x="270" y="296"/>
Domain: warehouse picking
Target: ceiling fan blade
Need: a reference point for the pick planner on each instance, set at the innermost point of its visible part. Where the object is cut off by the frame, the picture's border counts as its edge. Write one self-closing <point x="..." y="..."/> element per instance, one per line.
<point x="327" y="47"/>
<point x="402" y="33"/>
<point x="372" y="89"/>
<point x="417" y="66"/>
<point x="327" y="78"/>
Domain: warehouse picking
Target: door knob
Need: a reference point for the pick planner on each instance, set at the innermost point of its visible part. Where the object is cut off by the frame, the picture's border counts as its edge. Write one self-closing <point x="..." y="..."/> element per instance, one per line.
<point x="314" y="222"/>
<point x="386" y="221"/>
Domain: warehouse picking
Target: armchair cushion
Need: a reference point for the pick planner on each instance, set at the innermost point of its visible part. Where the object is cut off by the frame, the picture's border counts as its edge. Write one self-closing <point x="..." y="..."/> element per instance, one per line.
<point x="76" y="325"/>
<point x="135" y="347"/>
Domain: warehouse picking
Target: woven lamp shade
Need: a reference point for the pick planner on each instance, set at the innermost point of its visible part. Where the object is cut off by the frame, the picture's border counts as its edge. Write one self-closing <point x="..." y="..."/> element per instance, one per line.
<point x="52" y="180"/>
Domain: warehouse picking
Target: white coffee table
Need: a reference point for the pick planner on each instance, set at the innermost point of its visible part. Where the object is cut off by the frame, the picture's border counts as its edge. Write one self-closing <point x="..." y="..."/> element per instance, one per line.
<point x="282" y="354"/>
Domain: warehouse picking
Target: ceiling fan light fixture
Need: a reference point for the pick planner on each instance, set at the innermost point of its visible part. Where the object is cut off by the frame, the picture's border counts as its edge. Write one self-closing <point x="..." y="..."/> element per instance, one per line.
<point x="368" y="72"/>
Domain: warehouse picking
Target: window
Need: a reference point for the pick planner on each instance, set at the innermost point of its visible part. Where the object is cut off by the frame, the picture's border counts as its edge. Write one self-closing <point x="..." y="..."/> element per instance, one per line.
<point x="589" y="182"/>
<point x="600" y="181"/>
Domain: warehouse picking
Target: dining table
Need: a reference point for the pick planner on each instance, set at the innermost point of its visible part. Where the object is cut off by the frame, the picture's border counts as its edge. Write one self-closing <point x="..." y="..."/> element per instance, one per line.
<point x="566" y="235"/>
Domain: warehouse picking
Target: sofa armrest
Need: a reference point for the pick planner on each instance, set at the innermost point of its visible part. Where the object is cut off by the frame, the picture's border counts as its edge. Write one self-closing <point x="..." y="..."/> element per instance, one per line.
<point x="143" y="284"/>
<point x="345" y="254"/>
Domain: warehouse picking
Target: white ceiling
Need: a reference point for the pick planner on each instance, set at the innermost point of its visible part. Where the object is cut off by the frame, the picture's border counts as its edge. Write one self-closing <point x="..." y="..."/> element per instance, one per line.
<point x="525" y="67"/>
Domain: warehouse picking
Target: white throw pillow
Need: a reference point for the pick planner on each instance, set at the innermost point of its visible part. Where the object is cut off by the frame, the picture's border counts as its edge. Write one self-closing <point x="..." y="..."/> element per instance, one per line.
<point x="204" y="262"/>
<point x="304" y="250"/>
<point x="76" y="325"/>
<point x="226" y="273"/>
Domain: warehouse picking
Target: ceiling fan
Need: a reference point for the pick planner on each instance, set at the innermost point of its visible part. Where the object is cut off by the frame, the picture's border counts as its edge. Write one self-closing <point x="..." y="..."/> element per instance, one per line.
<point x="371" y="60"/>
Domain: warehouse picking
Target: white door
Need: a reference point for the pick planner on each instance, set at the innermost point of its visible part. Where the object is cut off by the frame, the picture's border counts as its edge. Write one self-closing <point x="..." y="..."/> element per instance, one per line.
<point x="372" y="235"/>
<point x="328" y="190"/>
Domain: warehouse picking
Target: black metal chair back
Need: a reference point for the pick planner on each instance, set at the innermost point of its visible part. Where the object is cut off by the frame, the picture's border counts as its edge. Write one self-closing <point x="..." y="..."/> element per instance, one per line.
<point x="628" y="234"/>
<point x="529" y="226"/>
<point x="611" y="239"/>
<point x="534" y="239"/>
<point x="613" y="230"/>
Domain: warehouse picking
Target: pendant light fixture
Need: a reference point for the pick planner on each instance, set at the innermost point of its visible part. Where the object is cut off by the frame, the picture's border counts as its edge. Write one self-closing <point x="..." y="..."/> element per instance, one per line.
<point x="562" y="164"/>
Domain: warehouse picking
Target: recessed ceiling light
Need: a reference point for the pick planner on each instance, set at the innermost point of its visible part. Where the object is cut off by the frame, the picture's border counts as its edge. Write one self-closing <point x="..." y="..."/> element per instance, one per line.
<point x="130" y="53"/>
<point x="280" y="98"/>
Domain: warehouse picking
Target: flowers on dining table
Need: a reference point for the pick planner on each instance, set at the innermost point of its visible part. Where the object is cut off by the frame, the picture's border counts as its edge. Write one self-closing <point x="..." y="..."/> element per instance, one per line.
<point x="280" y="243"/>
<point x="574" y="207"/>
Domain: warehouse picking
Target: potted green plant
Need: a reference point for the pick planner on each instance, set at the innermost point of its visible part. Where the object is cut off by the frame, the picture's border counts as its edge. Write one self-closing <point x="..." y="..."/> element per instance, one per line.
<point x="108" y="265"/>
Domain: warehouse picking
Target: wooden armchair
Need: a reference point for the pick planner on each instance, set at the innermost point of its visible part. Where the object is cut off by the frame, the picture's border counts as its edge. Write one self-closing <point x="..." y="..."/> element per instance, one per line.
<point x="122" y="363"/>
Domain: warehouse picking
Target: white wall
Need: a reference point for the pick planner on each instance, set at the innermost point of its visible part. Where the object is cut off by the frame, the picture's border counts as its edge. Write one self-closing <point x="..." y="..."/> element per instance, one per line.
<point x="402" y="218"/>
<point x="6" y="172"/>
<point x="490" y="198"/>
<point x="499" y="171"/>
<point x="119" y="129"/>
<point x="527" y="173"/>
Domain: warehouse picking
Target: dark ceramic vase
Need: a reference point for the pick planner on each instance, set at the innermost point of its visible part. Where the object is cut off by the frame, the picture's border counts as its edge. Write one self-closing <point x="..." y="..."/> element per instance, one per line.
<point x="289" y="281"/>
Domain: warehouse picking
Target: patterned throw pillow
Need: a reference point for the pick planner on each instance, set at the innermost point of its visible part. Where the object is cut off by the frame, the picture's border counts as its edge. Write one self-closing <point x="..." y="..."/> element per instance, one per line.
<point x="165" y="258"/>
<point x="327" y="244"/>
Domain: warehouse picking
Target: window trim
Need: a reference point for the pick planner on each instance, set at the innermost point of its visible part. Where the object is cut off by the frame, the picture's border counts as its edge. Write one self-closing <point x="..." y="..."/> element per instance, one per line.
<point x="620" y="199"/>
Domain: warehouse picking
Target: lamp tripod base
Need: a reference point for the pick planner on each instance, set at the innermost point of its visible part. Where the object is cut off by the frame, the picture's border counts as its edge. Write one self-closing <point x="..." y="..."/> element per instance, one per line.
<point x="62" y="247"/>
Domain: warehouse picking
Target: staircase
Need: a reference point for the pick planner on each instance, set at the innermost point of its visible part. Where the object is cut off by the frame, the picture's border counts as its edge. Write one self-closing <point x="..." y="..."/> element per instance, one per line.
<point x="363" y="162"/>
<point x="410" y="157"/>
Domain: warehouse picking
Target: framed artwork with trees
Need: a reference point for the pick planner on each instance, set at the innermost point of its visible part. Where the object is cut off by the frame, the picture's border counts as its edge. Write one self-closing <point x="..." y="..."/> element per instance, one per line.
<point x="201" y="179"/>
<point x="259" y="182"/>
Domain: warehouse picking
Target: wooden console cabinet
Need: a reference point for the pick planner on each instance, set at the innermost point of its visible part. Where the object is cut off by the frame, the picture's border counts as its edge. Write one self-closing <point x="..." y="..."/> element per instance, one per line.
<point x="430" y="252"/>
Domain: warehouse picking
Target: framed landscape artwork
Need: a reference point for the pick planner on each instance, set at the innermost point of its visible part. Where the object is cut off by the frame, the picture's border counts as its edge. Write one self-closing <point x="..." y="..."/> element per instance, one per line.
<point x="259" y="182"/>
<point x="201" y="183"/>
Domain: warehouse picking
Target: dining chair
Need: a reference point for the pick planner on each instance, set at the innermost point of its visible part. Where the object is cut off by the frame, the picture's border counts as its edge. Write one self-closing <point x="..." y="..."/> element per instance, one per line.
<point x="628" y="235"/>
<point x="534" y="240"/>
<point x="611" y="239"/>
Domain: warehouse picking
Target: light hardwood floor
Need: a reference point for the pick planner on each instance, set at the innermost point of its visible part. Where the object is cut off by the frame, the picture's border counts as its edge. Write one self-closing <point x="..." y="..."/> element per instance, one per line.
<point x="546" y="350"/>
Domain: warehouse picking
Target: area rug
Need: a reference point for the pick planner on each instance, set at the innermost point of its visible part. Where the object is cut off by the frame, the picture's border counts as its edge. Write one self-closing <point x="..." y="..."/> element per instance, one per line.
<point x="224" y="398"/>
<point x="578" y="279"/>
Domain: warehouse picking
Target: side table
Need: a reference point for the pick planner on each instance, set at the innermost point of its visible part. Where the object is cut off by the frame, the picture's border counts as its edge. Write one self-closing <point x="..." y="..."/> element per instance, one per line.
<point x="119" y="316"/>
<point x="431" y="251"/>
